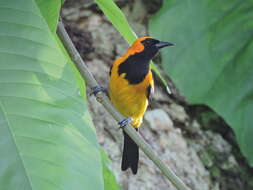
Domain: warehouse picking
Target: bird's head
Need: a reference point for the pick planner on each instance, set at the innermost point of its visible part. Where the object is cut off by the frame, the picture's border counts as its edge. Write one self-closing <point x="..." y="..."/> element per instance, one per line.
<point x="148" y="47"/>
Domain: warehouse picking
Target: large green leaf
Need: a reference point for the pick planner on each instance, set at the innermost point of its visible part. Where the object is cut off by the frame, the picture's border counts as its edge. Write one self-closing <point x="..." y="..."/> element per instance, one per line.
<point x="212" y="60"/>
<point x="47" y="140"/>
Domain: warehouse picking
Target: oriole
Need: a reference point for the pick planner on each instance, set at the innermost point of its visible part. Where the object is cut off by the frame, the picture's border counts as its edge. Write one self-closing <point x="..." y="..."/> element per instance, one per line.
<point x="130" y="86"/>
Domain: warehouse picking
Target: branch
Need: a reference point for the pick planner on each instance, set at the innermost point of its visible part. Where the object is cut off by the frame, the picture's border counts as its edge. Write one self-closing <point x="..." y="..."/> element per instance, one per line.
<point x="103" y="99"/>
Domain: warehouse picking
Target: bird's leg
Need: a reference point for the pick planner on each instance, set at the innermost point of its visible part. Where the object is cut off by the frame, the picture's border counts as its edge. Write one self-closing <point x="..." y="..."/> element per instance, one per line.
<point x="125" y="122"/>
<point x="98" y="89"/>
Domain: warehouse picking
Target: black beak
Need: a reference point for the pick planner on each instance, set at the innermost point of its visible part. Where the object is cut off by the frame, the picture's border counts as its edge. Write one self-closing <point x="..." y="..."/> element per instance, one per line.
<point x="163" y="44"/>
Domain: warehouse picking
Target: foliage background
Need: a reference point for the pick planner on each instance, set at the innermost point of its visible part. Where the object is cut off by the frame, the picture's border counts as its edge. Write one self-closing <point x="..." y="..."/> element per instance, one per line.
<point x="212" y="63"/>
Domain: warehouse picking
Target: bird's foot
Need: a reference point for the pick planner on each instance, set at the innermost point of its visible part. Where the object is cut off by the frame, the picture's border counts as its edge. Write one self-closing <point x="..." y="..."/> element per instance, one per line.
<point x="95" y="90"/>
<point x="125" y="122"/>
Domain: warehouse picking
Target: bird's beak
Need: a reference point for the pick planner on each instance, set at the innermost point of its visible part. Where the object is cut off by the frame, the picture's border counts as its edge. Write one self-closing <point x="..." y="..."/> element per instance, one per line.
<point x="163" y="44"/>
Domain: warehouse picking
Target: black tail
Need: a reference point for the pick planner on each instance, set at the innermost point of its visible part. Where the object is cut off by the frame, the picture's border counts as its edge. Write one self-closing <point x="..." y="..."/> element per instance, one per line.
<point x="130" y="156"/>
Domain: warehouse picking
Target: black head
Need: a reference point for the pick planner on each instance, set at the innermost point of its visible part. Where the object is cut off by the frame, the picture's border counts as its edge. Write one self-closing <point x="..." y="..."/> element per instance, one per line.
<point x="139" y="54"/>
<point x="152" y="46"/>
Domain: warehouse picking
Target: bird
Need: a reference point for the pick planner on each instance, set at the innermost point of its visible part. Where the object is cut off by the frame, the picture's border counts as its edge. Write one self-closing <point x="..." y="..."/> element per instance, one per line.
<point x="130" y="87"/>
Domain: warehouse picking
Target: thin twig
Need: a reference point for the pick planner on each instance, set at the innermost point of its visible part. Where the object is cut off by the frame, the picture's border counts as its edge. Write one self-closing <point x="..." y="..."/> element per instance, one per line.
<point x="103" y="99"/>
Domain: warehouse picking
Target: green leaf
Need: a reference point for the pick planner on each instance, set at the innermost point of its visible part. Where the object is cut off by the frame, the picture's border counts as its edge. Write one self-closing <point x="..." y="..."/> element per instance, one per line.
<point x="110" y="182"/>
<point x="119" y="21"/>
<point x="47" y="140"/>
<point x="212" y="60"/>
<point x="50" y="11"/>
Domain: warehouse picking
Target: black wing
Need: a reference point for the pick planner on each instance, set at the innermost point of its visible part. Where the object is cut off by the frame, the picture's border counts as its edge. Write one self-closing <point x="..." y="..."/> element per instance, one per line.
<point x="110" y="72"/>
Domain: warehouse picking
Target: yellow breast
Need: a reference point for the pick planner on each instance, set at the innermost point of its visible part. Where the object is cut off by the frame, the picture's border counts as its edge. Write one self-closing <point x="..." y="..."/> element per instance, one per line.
<point x="129" y="99"/>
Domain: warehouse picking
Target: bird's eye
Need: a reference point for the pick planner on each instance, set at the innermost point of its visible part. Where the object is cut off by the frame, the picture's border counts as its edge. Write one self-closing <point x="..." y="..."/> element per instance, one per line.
<point x="148" y="42"/>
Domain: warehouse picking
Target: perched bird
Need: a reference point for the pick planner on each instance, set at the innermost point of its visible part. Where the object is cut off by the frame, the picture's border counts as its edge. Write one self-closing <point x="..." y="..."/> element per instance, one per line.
<point x="130" y="86"/>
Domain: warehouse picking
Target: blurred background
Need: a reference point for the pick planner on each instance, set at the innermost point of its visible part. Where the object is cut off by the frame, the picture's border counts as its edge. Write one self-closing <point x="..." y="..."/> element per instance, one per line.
<point x="192" y="139"/>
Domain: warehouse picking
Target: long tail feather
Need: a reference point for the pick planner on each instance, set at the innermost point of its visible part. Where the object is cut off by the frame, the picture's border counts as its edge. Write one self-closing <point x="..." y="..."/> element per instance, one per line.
<point x="130" y="156"/>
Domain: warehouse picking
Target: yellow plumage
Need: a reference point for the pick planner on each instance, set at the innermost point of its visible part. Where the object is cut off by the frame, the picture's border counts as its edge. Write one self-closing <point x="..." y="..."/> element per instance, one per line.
<point x="130" y="100"/>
